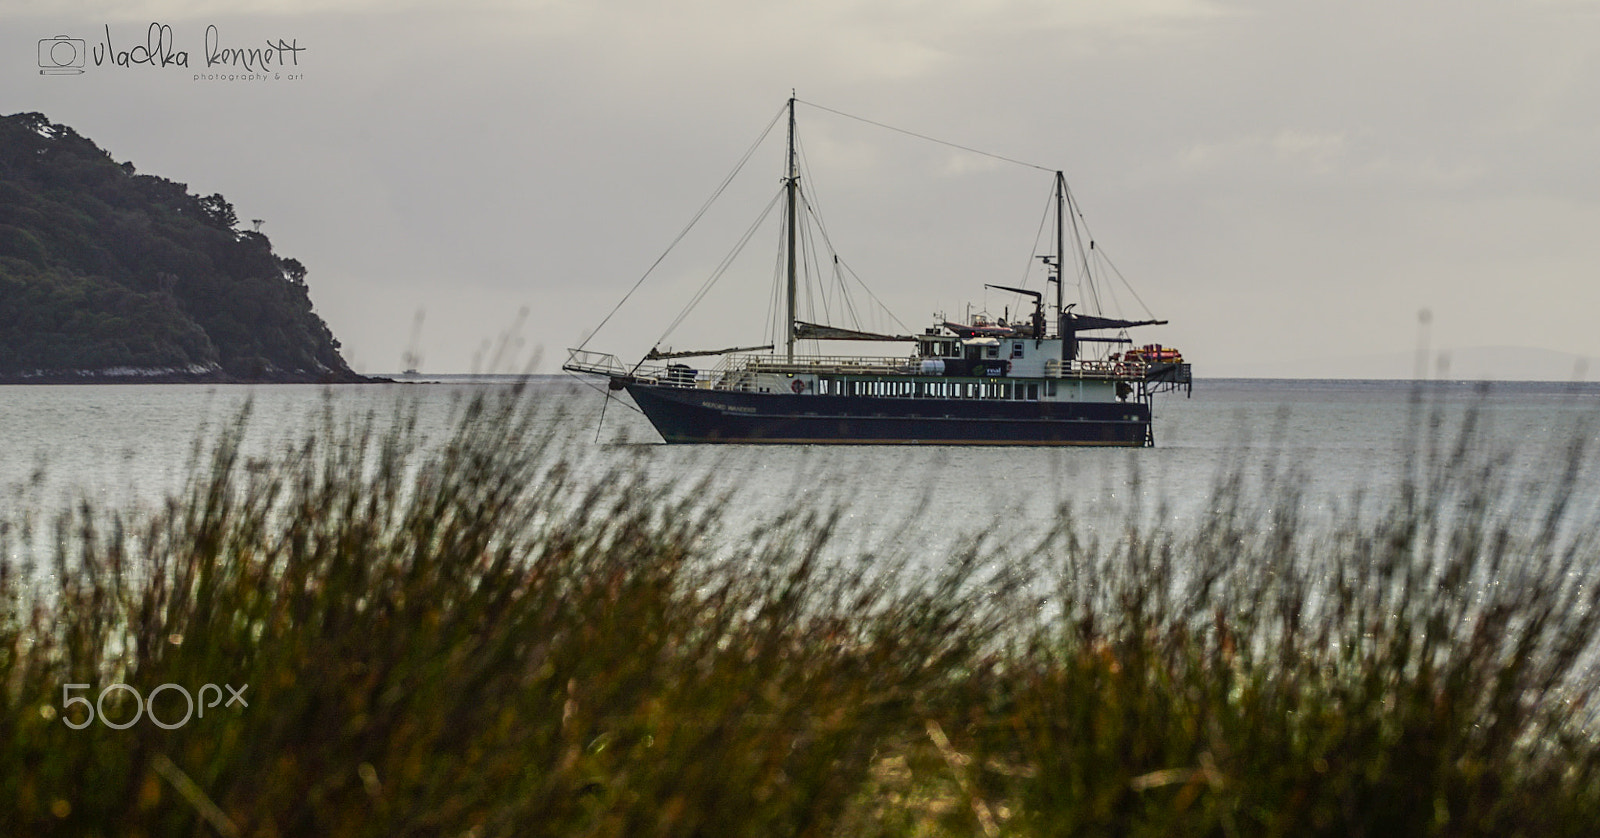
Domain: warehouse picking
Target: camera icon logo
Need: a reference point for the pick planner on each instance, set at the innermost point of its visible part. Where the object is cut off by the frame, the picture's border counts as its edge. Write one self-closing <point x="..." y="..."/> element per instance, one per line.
<point x="61" y="56"/>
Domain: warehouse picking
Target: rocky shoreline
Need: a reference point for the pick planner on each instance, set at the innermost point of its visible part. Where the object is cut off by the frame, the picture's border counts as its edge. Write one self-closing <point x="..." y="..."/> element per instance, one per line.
<point x="129" y="375"/>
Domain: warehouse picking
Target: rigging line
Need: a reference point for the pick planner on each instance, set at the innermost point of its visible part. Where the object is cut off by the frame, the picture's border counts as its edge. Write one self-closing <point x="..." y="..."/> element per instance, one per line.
<point x="1093" y="264"/>
<point x="775" y="335"/>
<point x="808" y="267"/>
<point x="810" y="194"/>
<point x="855" y="316"/>
<point x="881" y="307"/>
<point x="928" y="138"/>
<point x="1110" y="290"/>
<point x="819" y="229"/>
<point x="693" y="221"/>
<point x="807" y="196"/>
<point x="602" y="423"/>
<point x="850" y="304"/>
<point x="607" y="392"/>
<point x="819" y="255"/>
<point x="812" y="233"/>
<point x="1101" y="254"/>
<point x="834" y="285"/>
<point x="1083" y="252"/>
<point x="777" y="303"/>
<point x="1044" y="218"/>
<point x="721" y="268"/>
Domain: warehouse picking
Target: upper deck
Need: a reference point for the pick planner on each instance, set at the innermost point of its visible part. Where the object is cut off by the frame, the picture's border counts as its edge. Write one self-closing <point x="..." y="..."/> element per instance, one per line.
<point x="733" y="369"/>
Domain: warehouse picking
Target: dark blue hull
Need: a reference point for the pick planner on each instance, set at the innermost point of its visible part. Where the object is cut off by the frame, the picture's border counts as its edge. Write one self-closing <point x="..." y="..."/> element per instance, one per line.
<point x="692" y="415"/>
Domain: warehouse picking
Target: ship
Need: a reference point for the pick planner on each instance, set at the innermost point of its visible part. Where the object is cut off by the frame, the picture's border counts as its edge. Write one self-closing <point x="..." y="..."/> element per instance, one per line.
<point x="1050" y="376"/>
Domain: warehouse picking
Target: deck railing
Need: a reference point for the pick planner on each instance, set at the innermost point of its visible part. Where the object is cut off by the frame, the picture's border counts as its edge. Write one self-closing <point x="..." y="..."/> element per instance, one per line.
<point x="1055" y="368"/>
<point x="822" y="364"/>
<point x="600" y="363"/>
<point x="730" y="372"/>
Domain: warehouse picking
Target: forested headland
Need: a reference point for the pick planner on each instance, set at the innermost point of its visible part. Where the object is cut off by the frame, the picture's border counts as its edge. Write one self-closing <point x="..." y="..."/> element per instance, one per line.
<point x="107" y="274"/>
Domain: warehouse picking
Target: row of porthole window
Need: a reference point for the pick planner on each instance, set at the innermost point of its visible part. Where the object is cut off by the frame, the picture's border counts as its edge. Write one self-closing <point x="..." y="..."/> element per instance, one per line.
<point x="1014" y="390"/>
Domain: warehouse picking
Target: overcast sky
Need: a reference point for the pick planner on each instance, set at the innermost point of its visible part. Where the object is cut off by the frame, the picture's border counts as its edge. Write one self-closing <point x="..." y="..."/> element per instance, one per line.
<point x="1282" y="181"/>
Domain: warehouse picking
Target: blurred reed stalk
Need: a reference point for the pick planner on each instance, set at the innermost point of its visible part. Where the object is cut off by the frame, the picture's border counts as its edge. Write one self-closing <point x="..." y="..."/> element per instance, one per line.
<point x="471" y="638"/>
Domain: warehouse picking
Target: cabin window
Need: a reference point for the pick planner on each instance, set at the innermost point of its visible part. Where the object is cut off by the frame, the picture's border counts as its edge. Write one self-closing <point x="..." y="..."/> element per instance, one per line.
<point x="1016" y="350"/>
<point x="991" y="352"/>
<point x="1050" y="389"/>
<point x="1033" y="392"/>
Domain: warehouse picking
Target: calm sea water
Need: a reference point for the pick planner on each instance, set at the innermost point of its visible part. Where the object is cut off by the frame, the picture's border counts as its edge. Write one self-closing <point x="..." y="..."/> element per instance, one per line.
<point x="124" y="446"/>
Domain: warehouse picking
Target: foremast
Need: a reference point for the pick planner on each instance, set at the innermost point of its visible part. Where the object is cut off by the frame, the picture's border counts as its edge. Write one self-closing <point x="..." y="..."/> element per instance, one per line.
<point x="792" y="195"/>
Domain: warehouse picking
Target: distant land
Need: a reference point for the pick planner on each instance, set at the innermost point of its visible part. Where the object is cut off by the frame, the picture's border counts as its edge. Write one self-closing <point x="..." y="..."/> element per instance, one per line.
<point x="109" y="275"/>
<point x="1476" y="363"/>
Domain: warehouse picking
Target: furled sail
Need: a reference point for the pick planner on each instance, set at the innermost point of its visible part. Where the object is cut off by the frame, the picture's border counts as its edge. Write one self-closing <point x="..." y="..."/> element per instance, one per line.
<point x="657" y="355"/>
<point x="813" y="331"/>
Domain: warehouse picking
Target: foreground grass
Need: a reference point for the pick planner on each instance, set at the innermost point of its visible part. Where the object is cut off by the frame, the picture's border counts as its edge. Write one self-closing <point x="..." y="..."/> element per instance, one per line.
<point x="465" y="639"/>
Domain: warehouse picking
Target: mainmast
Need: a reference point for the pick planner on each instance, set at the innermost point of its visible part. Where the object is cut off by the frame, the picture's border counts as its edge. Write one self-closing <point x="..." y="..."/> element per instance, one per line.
<point x="1061" y="267"/>
<point x="792" y="188"/>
